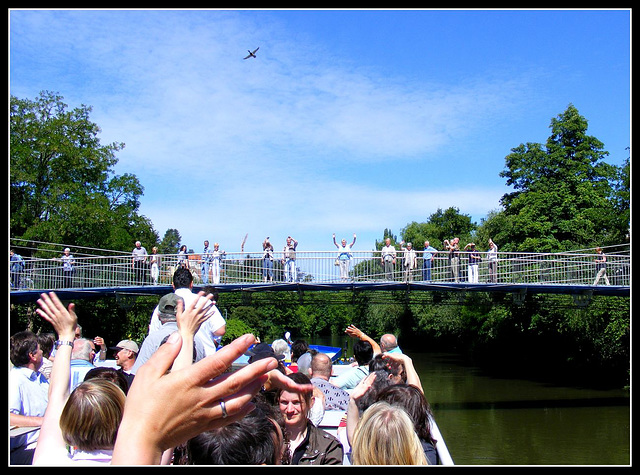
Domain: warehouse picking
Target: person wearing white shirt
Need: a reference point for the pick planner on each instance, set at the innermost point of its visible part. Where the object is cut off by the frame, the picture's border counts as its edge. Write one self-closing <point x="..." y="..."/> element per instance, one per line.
<point x="289" y="259"/>
<point x="216" y="262"/>
<point x="28" y="395"/>
<point x="492" y="258"/>
<point x="211" y="330"/>
<point x="388" y="259"/>
<point x="409" y="261"/>
<point x="207" y="258"/>
<point x="138" y="261"/>
<point x="344" y="257"/>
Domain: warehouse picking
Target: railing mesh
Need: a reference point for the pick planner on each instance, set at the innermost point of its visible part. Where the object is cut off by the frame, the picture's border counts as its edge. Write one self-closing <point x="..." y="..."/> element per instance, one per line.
<point x="107" y="271"/>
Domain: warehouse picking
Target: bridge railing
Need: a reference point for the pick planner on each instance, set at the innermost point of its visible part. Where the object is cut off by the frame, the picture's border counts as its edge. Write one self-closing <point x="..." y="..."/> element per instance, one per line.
<point x="317" y="267"/>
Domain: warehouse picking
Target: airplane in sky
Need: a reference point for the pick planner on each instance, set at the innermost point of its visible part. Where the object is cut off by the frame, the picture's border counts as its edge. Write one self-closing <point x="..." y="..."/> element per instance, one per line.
<point x="252" y="54"/>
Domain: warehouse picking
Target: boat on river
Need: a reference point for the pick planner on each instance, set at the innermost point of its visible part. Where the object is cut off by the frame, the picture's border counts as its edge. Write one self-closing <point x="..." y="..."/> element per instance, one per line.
<point x="334" y="352"/>
<point x="332" y="419"/>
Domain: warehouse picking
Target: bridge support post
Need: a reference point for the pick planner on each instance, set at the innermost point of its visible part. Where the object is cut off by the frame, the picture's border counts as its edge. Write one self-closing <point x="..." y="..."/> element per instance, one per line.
<point x="518" y="297"/>
<point x="583" y="298"/>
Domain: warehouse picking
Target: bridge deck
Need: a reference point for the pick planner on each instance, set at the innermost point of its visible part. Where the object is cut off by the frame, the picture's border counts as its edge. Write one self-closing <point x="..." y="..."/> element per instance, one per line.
<point x="522" y="273"/>
<point x="22" y="296"/>
<point x="97" y="276"/>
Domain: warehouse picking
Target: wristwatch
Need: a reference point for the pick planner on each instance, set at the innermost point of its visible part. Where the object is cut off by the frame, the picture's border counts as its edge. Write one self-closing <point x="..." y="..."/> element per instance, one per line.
<point x="59" y="343"/>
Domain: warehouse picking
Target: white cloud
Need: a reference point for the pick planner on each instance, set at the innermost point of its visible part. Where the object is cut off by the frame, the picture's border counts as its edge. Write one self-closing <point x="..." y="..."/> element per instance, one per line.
<point x="225" y="146"/>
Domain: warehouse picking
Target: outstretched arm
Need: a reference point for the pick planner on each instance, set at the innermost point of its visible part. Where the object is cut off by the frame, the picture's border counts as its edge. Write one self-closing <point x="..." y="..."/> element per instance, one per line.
<point x="355" y="332"/>
<point x="412" y="374"/>
<point x="64" y="322"/>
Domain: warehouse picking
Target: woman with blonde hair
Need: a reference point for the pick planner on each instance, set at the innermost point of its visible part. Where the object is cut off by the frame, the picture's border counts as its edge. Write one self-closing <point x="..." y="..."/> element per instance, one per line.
<point x="385" y="435"/>
<point x="91" y="416"/>
<point x="155" y="265"/>
<point x="86" y="420"/>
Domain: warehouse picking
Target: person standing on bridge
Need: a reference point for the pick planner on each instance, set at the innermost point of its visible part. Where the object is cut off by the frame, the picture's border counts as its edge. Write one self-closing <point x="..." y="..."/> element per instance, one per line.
<point x="492" y="260"/>
<point x="454" y="257"/>
<point x="427" y="255"/>
<point x="601" y="267"/>
<point x="182" y="257"/>
<point x="474" y="261"/>
<point x="207" y="259"/>
<point x="388" y="259"/>
<point x="138" y="261"/>
<point x="216" y="262"/>
<point x="155" y="265"/>
<point x="16" y="268"/>
<point x="409" y="261"/>
<point x="289" y="259"/>
<point x="68" y="268"/>
<point x="267" y="260"/>
<point x="344" y="257"/>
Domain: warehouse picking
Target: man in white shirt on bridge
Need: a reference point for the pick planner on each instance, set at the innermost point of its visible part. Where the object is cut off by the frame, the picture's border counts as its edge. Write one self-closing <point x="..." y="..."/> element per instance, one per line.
<point x="388" y="259"/>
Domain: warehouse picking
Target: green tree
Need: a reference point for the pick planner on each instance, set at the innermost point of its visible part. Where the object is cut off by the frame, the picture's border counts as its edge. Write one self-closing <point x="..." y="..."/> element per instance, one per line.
<point x="563" y="194"/>
<point x="622" y="204"/>
<point x="386" y="234"/>
<point x="170" y="243"/>
<point x="441" y="225"/>
<point x="62" y="185"/>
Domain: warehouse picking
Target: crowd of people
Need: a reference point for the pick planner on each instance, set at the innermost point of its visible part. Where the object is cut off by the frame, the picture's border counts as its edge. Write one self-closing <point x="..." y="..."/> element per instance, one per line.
<point x="211" y="260"/>
<point x="176" y="399"/>
<point x="146" y="268"/>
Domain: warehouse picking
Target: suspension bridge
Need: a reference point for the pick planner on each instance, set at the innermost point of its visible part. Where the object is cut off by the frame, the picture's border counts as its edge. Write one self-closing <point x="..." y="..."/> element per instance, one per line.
<point x="92" y="274"/>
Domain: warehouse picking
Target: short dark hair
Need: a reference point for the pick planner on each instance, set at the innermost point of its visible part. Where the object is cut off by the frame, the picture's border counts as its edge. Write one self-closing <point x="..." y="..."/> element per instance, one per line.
<point x="412" y="400"/>
<point x="392" y="367"/>
<point x="363" y="352"/>
<point x="46" y="341"/>
<point x="109" y="374"/>
<point x="249" y="441"/>
<point x="22" y="345"/>
<point x="182" y="278"/>
<point x="298" y="348"/>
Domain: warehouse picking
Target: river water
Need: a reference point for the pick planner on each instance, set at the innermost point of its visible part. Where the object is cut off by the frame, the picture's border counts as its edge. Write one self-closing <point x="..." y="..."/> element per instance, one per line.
<point x="488" y="420"/>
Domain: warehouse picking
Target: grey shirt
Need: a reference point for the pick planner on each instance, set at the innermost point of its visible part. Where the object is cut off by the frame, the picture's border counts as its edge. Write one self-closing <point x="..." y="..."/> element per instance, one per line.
<point x="153" y="341"/>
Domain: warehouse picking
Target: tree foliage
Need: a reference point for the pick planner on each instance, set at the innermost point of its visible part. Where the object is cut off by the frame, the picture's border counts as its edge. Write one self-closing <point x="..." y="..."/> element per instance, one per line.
<point x="564" y="197"/>
<point x="387" y="233"/>
<point x="441" y="225"/>
<point x="62" y="186"/>
<point x="564" y="193"/>
<point x="170" y="243"/>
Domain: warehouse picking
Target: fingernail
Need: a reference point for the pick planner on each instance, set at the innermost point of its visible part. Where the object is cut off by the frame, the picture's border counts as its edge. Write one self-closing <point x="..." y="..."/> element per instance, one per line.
<point x="173" y="338"/>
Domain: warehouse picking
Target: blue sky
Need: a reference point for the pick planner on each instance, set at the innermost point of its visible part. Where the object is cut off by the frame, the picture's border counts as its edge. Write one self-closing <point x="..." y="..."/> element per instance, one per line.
<point x="348" y="121"/>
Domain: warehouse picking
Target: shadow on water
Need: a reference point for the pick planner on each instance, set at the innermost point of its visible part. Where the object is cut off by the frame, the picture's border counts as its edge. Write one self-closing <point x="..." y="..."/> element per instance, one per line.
<point x="512" y="420"/>
<point x="532" y="404"/>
